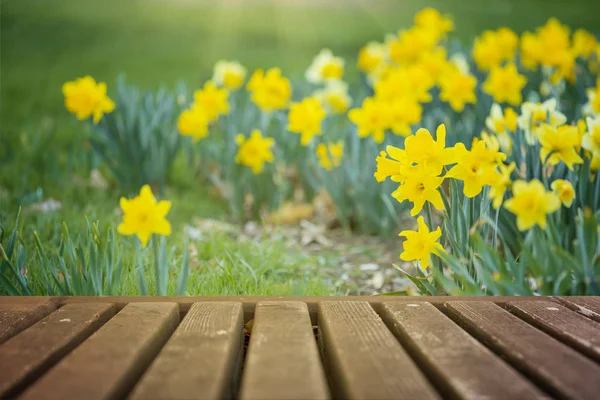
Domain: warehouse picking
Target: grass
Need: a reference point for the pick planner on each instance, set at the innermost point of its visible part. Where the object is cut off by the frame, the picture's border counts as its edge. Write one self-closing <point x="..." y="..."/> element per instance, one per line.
<point x="47" y="42"/>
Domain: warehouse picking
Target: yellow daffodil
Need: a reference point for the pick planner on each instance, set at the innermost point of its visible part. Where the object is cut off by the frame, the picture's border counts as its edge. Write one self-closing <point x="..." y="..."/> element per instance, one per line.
<point x="432" y="155"/>
<point x="530" y="50"/>
<point x="474" y="166"/>
<point x="394" y="167"/>
<point x="334" y="97"/>
<point x="144" y="216"/>
<point x="436" y="63"/>
<point x="373" y="118"/>
<point x="193" y="122"/>
<point x="500" y="182"/>
<point x="305" y="118"/>
<point x="564" y="190"/>
<point x="85" y="98"/>
<point x="229" y="74"/>
<point x="504" y="84"/>
<point x="499" y="122"/>
<point x="420" y="186"/>
<point x="591" y="139"/>
<point x="330" y="155"/>
<point x="270" y="91"/>
<point x="531" y="203"/>
<point x="371" y="57"/>
<point x="419" y="245"/>
<point x="535" y="114"/>
<point x="458" y="89"/>
<point x="212" y="100"/>
<point x="405" y="112"/>
<point x="414" y="82"/>
<point x="553" y="39"/>
<point x="255" y="151"/>
<point x="430" y="19"/>
<point x="410" y="44"/>
<point x="494" y="47"/>
<point x="558" y="144"/>
<point x="325" y="67"/>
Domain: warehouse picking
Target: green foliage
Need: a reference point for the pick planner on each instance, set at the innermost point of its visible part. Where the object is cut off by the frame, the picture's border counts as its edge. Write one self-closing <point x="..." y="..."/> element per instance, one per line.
<point x="138" y="141"/>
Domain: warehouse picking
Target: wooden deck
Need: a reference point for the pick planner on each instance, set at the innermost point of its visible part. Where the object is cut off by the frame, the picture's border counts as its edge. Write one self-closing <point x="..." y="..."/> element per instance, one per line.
<point x="299" y="347"/>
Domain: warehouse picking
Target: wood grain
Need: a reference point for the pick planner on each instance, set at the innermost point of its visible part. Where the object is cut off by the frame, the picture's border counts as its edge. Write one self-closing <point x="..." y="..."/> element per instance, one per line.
<point x="202" y="358"/>
<point x="567" y="326"/>
<point x="109" y="363"/>
<point x="20" y="313"/>
<point x="459" y="365"/>
<point x="584" y="305"/>
<point x="27" y="355"/>
<point x="559" y="369"/>
<point x="283" y="358"/>
<point x="363" y="358"/>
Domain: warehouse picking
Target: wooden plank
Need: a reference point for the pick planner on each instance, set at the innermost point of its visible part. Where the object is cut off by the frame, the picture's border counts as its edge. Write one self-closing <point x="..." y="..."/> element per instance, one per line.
<point x="363" y="358"/>
<point x="21" y="313"/>
<point x="249" y="302"/>
<point x="567" y="326"/>
<point x="459" y="365"/>
<point x="109" y="363"/>
<point x="556" y="367"/>
<point x="27" y="355"/>
<point x="202" y="358"/>
<point x="283" y="358"/>
<point x="585" y="305"/>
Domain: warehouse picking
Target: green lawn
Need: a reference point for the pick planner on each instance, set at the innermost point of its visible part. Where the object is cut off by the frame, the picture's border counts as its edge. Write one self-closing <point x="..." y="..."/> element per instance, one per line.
<point x="47" y="42"/>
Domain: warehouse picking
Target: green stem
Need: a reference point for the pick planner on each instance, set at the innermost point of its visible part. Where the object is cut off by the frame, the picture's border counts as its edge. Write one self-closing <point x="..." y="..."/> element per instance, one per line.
<point x="156" y="264"/>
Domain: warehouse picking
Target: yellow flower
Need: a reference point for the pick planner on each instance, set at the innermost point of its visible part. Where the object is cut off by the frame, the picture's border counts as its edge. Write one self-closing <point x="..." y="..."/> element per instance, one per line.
<point x="305" y="118"/>
<point x="531" y="203"/>
<point x="530" y="50"/>
<point x="504" y="84"/>
<point x="193" y="122"/>
<point x="85" y="98"/>
<point x="535" y="114"/>
<point x="501" y="124"/>
<point x="554" y="41"/>
<point x="430" y="19"/>
<point x="591" y="139"/>
<point x="330" y="155"/>
<point x="419" y="245"/>
<point x="373" y="118"/>
<point x="230" y="74"/>
<point x="558" y="144"/>
<point x="405" y="112"/>
<point x="334" y="97"/>
<point x="493" y="47"/>
<point x="414" y="82"/>
<point x="254" y="151"/>
<point x="457" y="89"/>
<point x="144" y="216"/>
<point x="325" y="67"/>
<point x="474" y="167"/>
<point x="410" y="44"/>
<point x="371" y="57"/>
<point x="418" y="187"/>
<point x="564" y="190"/>
<point x="499" y="183"/>
<point x="270" y="91"/>
<point x="436" y="63"/>
<point x="432" y="155"/>
<point x="212" y="100"/>
<point x="394" y="168"/>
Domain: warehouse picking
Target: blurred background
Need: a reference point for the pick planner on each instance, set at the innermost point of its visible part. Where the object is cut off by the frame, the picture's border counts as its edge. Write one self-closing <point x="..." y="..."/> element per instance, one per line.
<point x="47" y="42"/>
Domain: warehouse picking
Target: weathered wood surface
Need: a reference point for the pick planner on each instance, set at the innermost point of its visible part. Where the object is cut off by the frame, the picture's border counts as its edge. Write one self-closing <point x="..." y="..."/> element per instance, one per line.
<point x="442" y="348"/>
<point x="283" y="359"/>
<point x="571" y="328"/>
<point x="34" y="350"/>
<point x="364" y="359"/>
<point x="588" y="306"/>
<point x="109" y="363"/>
<point x="21" y="313"/>
<point x="202" y="358"/>
<point x="362" y="348"/>
<point x="553" y="365"/>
